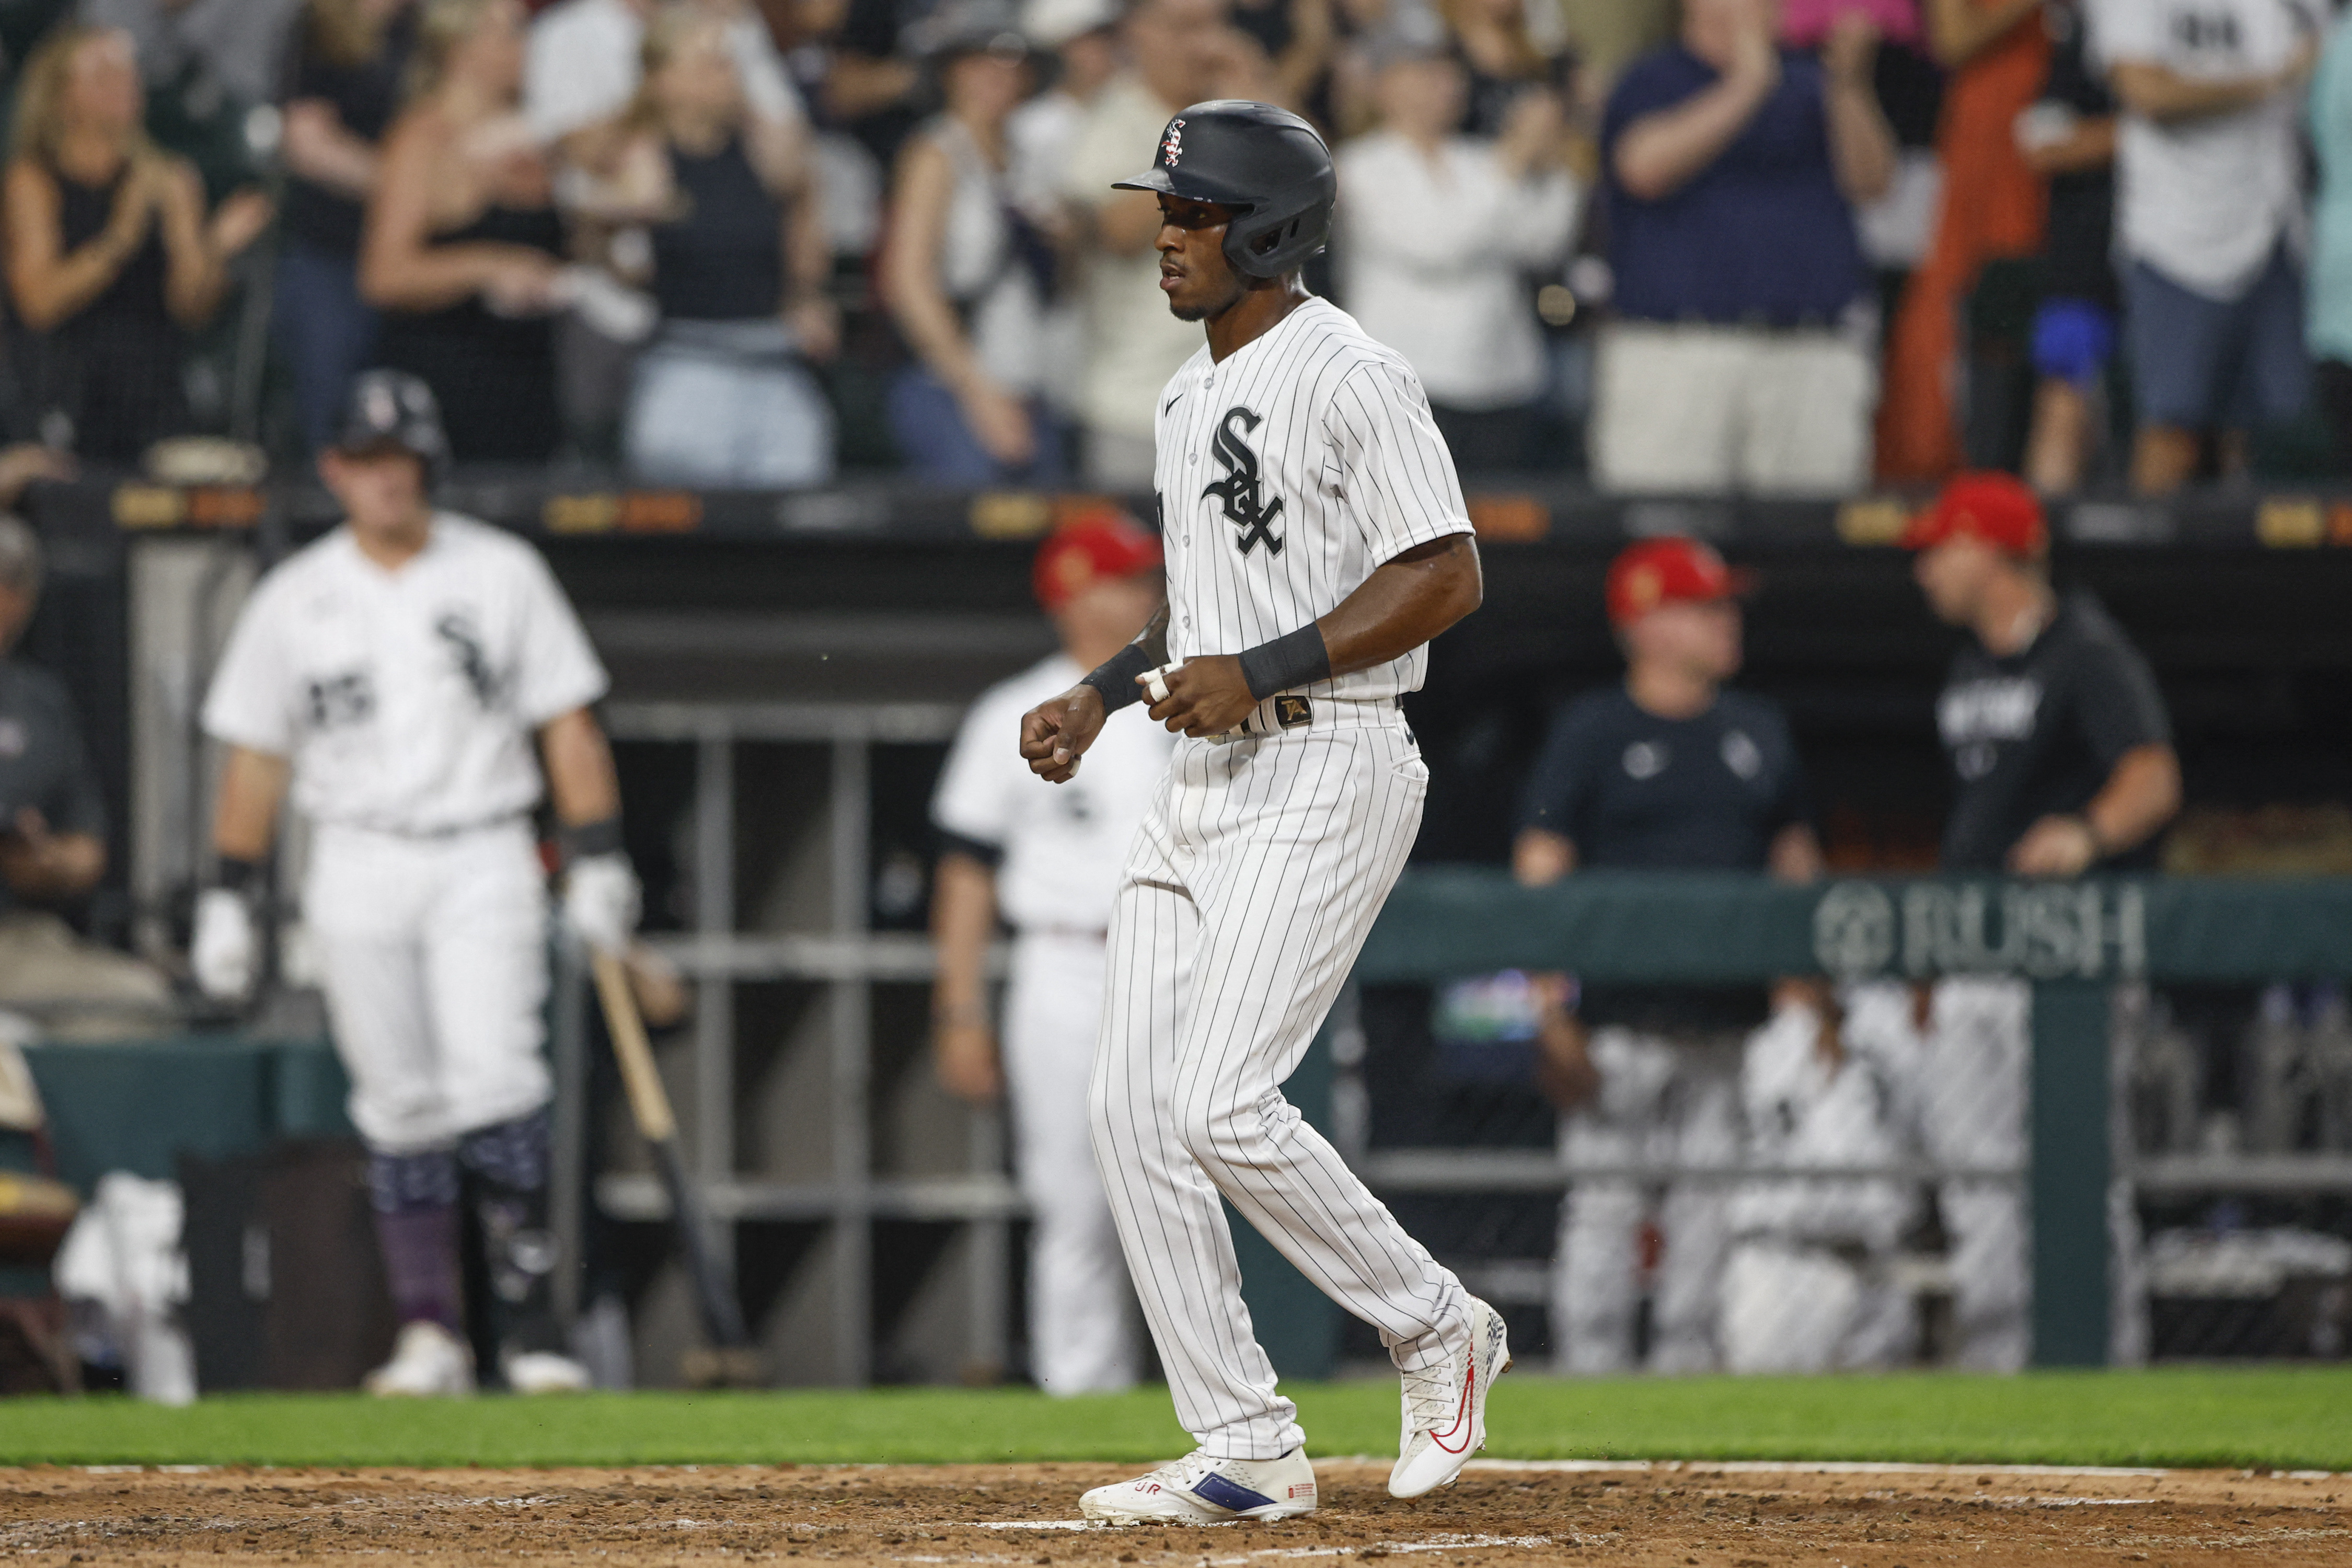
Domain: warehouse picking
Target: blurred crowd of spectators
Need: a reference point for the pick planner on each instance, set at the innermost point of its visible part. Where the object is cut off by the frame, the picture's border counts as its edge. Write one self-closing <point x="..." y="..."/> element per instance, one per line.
<point x="1765" y="244"/>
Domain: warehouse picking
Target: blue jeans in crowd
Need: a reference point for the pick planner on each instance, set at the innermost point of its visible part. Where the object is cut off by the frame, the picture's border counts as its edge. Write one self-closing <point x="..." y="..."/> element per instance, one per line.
<point x="724" y="404"/>
<point x="927" y="425"/>
<point x="326" y="332"/>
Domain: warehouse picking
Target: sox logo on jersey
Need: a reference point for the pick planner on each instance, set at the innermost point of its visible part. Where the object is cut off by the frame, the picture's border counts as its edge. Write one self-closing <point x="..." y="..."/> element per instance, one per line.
<point x="1240" y="489"/>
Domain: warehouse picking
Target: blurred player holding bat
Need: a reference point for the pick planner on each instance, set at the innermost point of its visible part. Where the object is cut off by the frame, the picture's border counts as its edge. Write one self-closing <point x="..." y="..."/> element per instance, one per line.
<point x="399" y="674"/>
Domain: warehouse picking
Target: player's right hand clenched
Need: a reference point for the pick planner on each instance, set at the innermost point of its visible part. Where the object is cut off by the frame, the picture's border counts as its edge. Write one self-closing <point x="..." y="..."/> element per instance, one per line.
<point x="1055" y="733"/>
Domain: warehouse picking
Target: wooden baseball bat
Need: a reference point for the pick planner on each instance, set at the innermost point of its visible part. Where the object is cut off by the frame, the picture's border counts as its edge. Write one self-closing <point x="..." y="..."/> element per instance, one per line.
<point x="714" y="1283"/>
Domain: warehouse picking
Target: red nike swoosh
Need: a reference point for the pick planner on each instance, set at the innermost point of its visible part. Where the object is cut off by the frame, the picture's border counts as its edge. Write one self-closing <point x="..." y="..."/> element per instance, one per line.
<point x="1460" y="1415"/>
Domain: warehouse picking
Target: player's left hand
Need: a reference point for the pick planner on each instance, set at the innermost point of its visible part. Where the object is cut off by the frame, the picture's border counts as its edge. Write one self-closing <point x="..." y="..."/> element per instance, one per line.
<point x="600" y="901"/>
<point x="1206" y="696"/>
<point x="2054" y="846"/>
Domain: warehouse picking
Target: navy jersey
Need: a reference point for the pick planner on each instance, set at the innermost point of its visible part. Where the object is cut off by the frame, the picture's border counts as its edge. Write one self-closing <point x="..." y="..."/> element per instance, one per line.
<point x="1636" y="791"/>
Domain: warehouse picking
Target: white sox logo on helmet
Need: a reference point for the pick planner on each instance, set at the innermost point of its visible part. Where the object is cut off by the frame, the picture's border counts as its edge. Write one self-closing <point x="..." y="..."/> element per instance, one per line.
<point x="1172" y="144"/>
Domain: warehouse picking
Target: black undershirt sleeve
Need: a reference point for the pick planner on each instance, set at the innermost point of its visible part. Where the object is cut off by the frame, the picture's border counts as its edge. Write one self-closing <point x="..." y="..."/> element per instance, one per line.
<point x="988" y="854"/>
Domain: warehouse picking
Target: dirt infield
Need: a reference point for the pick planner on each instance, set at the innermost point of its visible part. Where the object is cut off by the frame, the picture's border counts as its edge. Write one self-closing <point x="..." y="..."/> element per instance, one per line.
<point x="1717" y="1515"/>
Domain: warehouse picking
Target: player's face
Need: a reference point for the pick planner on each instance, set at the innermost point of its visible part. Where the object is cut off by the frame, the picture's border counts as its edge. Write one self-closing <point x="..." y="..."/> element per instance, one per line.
<point x="1953" y="575"/>
<point x="1194" y="272"/>
<point x="1698" y="637"/>
<point x="381" y="492"/>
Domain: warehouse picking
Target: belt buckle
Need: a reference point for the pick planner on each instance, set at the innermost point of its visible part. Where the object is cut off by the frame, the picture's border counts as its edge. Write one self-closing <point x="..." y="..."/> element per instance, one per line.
<point x="1292" y="711"/>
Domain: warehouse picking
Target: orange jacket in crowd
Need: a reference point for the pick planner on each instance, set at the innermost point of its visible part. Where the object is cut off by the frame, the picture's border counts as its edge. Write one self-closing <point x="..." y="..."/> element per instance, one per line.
<point x="1992" y="208"/>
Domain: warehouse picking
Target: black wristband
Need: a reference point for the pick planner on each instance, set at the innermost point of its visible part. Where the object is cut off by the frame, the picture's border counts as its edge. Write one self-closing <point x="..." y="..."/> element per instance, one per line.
<point x="599" y="837"/>
<point x="1295" y="658"/>
<point x="1115" y="676"/>
<point x="237" y="876"/>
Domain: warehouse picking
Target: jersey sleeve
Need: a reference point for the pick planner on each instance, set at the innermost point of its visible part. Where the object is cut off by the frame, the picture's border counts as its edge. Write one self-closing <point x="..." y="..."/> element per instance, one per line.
<point x="1560" y="786"/>
<point x="1394" y="469"/>
<point x="558" y="669"/>
<point x="973" y="806"/>
<point x="253" y="701"/>
<point x="2118" y="703"/>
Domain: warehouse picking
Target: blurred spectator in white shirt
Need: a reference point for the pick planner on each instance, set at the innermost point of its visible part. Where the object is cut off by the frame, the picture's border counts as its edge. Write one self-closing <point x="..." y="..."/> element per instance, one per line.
<point x="583" y="63"/>
<point x="1180" y="52"/>
<point x="1437" y="235"/>
<point x="1082" y="36"/>
<point x="2209" y="223"/>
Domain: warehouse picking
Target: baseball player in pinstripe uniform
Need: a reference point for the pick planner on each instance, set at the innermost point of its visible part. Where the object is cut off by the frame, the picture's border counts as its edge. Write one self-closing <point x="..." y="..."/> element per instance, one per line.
<point x="1315" y="540"/>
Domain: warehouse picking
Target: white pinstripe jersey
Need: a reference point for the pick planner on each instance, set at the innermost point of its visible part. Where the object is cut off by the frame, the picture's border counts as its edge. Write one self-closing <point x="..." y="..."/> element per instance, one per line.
<point x="1286" y="474"/>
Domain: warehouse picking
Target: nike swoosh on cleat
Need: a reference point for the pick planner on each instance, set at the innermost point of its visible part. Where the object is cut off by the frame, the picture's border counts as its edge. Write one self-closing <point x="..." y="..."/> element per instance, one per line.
<point x="1229" y="1494"/>
<point x="1460" y="1415"/>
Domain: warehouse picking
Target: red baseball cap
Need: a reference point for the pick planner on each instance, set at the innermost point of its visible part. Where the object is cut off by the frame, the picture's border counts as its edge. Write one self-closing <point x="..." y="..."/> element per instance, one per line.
<point x="1657" y="571"/>
<point x="1093" y="545"/>
<point x="1998" y="509"/>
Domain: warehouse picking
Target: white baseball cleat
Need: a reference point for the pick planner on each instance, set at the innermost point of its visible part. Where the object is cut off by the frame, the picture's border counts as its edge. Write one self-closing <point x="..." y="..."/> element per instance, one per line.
<point x="426" y="1360"/>
<point x="544" y="1372"/>
<point x="1445" y="1408"/>
<point x="1200" y="1489"/>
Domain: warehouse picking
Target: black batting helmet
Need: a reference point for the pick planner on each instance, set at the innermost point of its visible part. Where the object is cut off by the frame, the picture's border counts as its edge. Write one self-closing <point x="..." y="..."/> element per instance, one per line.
<point x="391" y="408"/>
<point x="1266" y="163"/>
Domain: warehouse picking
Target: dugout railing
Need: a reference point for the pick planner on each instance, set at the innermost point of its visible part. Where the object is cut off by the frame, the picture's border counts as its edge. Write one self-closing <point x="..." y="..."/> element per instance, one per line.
<point x="861" y="1070"/>
<point x="2075" y="942"/>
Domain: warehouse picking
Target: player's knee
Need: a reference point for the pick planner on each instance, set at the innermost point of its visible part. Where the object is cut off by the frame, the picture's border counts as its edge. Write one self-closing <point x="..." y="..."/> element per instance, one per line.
<point x="510" y="1154"/>
<point x="1217" y="1132"/>
<point x="407" y="1183"/>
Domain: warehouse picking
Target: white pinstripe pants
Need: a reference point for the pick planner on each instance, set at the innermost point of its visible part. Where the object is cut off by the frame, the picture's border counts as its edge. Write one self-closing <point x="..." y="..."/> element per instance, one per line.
<point x="1249" y="893"/>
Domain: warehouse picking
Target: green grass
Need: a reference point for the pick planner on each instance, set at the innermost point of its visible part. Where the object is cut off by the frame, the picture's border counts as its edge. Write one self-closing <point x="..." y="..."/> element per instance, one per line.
<point x="2285" y="1417"/>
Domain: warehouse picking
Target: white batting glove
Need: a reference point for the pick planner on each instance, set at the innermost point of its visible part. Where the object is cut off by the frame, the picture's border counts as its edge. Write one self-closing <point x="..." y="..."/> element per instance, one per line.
<point x="226" y="949"/>
<point x="600" y="901"/>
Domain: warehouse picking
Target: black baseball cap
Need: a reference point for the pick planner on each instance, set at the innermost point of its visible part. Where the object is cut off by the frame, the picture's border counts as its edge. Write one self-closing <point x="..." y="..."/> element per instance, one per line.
<point x="391" y="410"/>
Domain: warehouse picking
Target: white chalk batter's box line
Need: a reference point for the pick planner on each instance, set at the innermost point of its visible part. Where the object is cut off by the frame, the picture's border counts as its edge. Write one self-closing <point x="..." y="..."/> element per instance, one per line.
<point x="1847" y="1467"/>
<point x="1432" y="1543"/>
